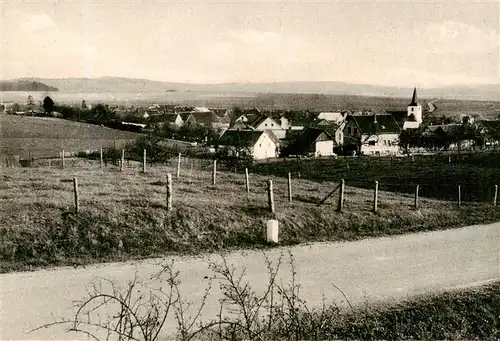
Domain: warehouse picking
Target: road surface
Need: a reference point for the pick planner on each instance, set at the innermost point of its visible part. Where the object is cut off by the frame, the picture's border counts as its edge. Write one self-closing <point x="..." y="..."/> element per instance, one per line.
<point x="389" y="268"/>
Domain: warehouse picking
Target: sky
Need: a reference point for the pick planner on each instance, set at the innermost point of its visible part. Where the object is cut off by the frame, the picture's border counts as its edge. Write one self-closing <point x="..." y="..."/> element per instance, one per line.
<point x="405" y="43"/>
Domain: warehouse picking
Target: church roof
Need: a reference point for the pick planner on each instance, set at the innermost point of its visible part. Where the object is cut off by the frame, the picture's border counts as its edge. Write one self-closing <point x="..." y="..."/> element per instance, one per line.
<point x="414" y="98"/>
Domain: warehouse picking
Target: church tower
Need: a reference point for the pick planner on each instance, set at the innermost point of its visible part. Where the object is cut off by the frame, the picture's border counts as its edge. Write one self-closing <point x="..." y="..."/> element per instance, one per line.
<point x="415" y="109"/>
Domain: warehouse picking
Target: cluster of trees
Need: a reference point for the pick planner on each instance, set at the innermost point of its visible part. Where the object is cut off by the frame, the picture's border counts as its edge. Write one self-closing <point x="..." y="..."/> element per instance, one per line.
<point x="196" y="133"/>
<point x="100" y="114"/>
<point x="442" y="139"/>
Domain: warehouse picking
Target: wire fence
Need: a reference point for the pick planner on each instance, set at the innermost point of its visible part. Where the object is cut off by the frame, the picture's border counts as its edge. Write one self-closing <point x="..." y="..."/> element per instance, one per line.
<point x="473" y="177"/>
<point x="194" y="178"/>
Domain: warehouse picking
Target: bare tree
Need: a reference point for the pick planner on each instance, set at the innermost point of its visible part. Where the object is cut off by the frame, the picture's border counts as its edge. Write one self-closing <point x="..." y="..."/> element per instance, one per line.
<point x="141" y="311"/>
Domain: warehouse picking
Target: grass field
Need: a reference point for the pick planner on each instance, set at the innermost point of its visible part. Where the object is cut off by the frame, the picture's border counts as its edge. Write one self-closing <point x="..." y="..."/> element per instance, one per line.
<point x="466" y="314"/>
<point x="123" y="214"/>
<point x="477" y="174"/>
<point x="46" y="137"/>
<point x="457" y="315"/>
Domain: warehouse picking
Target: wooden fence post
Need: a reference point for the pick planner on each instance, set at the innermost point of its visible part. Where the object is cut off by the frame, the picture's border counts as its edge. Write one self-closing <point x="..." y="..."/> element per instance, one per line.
<point x="169" y="192"/>
<point x="7" y="162"/>
<point x="179" y="166"/>
<point x="247" y="181"/>
<point x="341" y="196"/>
<point x="289" y="187"/>
<point x="101" y="158"/>
<point x="75" y="189"/>
<point x="375" y="197"/>
<point x="459" y="196"/>
<point x="270" y="195"/>
<point x="122" y="160"/>
<point x="144" y="161"/>
<point x="495" y="196"/>
<point x="214" y="173"/>
<point x="62" y="159"/>
<point x="416" y="197"/>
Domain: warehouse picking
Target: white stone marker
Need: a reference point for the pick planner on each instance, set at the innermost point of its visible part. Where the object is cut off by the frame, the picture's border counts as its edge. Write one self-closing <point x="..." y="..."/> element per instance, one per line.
<point x="272" y="231"/>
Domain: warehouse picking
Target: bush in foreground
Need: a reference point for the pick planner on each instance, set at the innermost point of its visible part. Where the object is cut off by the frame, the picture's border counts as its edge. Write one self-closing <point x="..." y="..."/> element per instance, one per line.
<point x="144" y="311"/>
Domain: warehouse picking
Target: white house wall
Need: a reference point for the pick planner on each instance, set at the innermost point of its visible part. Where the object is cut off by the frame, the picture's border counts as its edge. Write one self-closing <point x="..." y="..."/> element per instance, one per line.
<point x="411" y="125"/>
<point x="383" y="144"/>
<point x="324" y="148"/>
<point x="268" y="124"/>
<point x="264" y="148"/>
<point x="339" y="134"/>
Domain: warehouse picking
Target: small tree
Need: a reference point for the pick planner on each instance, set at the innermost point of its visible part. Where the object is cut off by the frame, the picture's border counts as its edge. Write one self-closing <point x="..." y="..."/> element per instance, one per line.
<point x="410" y="138"/>
<point x="101" y="114"/>
<point x="48" y="105"/>
<point x="30" y="103"/>
<point x="156" y="149"/>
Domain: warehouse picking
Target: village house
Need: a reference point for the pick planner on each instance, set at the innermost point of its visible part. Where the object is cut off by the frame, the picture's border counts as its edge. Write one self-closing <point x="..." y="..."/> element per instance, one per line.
<point x="287" y="124"/>
<point x="334" y="129"/>
<point x="333" y="117"/>
<point x="262" y="122"/>
<point x="310" y="141"/>
<point x="449" y="136"/>
<point x="206" y="119"/>
<point x="371" y="134"/>
<point x="241" y="118"/>
<point x="490" y="130"/>
<point x="170" y="120"/>
<point x="259" y="144"/>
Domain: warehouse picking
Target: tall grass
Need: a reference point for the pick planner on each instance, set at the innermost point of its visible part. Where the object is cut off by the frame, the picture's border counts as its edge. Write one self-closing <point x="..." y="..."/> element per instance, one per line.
<point x="477" y="174"/>
<point x="123" y="214"/>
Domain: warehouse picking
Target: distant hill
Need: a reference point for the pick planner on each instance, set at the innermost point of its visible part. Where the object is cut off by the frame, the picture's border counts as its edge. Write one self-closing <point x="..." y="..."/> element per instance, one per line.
<point x="487" y="92"/>
<point x="25" y="85"/>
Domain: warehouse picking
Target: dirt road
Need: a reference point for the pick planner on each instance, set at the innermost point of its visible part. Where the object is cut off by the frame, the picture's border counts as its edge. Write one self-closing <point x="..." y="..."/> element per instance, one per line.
<point x="371" y="269"/>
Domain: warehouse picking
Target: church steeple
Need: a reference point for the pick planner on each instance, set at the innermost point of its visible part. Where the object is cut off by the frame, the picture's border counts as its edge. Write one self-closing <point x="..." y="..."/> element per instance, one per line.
<point x="414" y="109"/>
<point x="414" y="98"/>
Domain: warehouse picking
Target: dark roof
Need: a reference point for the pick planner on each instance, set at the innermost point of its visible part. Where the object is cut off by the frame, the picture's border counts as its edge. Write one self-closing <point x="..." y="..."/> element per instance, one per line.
<point x="376" y="124"/>
<point x="448" y="130"/>
<point x="399" y="115"/>
<point x="184" y="115"/>
<point x="205" y="117"/>
<point x="305" y="140"/>
<point x="250" y="112"/>
<point x="310" y="135"/>
<point x="256" y="121"/>
<point x="240" y="138"/>
<point x="170" y="118"/>
<point x="272" y="136"/>
<point x="238" y="125"/>
<point x="292" y="134"/>
<point x="414" y="98"/>
<point x="219" y="111"/>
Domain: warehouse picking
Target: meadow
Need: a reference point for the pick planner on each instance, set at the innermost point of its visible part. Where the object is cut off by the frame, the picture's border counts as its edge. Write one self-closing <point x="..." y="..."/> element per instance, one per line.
<point x="464" y="314"/>
<point x="123" y="214"/>
<point x="476" y="173"/>
<point x="42" y="137"/>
